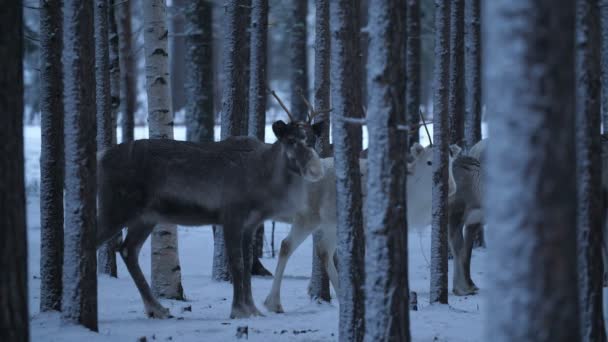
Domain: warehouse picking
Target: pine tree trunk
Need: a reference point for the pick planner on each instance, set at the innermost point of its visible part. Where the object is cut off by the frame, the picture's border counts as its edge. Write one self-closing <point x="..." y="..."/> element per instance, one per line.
<point x="177" y="53"/>
<point x="298" y="58"/>
<point x="318" y="288"/>
<point x="456" y="92"/>
<point x="472" y="59"/>
<point x="51" y="155"/>
<point x="589" y="173"/>
<point x="166" y="271"/>
<point x="603" y="4"/>
<point x="14" y="316"/>
<point x="79" y="304"/>
<point x="200" y="116"/>
<point x="530" y="202"/>
<point x="346" y="102"/>
<point x="387" y="289"/>
<point x="106" y="262"/>
<point x="413" y="68"/>
<point x="128" y="90"/>
<point x="114" y="67"/>
<point x="441" y="129"/>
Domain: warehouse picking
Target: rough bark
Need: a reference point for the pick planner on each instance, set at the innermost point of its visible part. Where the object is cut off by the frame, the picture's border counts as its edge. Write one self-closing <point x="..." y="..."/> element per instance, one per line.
<point x="319" y="280"/>
<point x="79" y="303"/>
<point x="346" y="102"/>
<point x="412" y="70"/>
<point x="14" y="316"/>
<point x="387" y="289"/>
<point x="114" y="66"/>
<point x="441" y="129"/>
<point x="456" y="97"/>
<point x="589" y="164"/>
<point x="166" y="271"/>
<point x="51" y="155"/>
<point x="532" y="269"/>
<point x="298" y="58"/>
<point x="128" y="90"/>
<point x="603" y="4"/>
<point x="472" y="60"/>
<point x="177" y="53"/>
<point x="200" y="116"/>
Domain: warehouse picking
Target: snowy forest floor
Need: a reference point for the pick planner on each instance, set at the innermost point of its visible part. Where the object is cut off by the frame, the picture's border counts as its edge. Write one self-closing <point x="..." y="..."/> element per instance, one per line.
<point x="121" y="316"/>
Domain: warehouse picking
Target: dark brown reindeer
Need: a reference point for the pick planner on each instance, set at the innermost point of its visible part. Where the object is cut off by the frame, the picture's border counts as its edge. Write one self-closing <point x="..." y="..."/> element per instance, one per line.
<point x="237" y="183"/>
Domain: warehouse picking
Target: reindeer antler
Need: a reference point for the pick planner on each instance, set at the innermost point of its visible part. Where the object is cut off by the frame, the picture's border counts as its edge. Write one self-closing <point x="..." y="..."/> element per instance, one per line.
<point x="282" y="104"/>
<point x="311" y="111"/>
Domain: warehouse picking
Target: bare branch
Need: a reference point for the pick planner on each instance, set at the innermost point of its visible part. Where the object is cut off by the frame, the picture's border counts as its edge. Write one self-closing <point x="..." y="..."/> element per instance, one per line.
<point x="426" y="128"/>
<point x="282" y="104"/>
<point x="354" y="121"/>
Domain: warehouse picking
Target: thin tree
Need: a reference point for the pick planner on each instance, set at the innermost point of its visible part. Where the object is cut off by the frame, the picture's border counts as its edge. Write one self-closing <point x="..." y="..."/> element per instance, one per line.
<point x="106" y="262"/>
<point x="166" y="270"/>
<point x="177" y="53"/>
<point x="589" y="173"/>
<point x="472" y="60"/>
<point x="298" y="58"/>
<point x="413" y="68"/>
<point x="79" y="303"/>
<point x="346" y="102"/>
<point x="456" y="91"/>
<point x="530" y="183"/>
<point x="14" y="316"/>
<point x="51" y="155"/>
<point x="439" y="242"/>
<point x="603" y="7"/>
<point x="318" y="288"/>
<point x="128" y="90"/>
<point x="234" y="102"/>
<point x="114" y="66"/>
<point x="387" y="304"/>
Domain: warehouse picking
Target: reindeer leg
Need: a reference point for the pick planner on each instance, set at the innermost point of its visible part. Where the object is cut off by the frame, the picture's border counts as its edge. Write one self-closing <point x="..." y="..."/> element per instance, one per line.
<point x="455" y="238"/>
<point x="247" y="262"/>
<point x="470" y="235"/>
<point x="137" y="233"/>
<point x="327" y="250"/>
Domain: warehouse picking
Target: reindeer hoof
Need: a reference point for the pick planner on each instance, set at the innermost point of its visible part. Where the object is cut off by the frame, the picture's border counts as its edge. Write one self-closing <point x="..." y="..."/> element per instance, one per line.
<point x="240" y="312"/>
<point x="254" y="311"/>
<point x="465" y="291"/>
<point x="158" y="312"/>
<point x="273" y="306"/>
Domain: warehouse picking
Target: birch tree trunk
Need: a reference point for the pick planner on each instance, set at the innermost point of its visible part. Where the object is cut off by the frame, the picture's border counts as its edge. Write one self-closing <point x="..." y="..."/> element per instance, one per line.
<point x="456" y="92"/>
<point x="128" y="88"/>
<point x="603" y="7"/>
<point x="589" y="173"/>
<point x="472" y="60"/>
<point x="387" y="303"/>
<point x="439" y="229"/>
<point x="166" y="270"/>
<point x="318" y="288"/>
<point x="114" y="67"/>
<point x="413" y="68"/>
<point x="51" y="155"/>
<point x="346" y="102"/>
<point x="14" y="316"/>
<point x="79" y="303"/>
<point x="298" y="58"/>
<point x="530" y="183"/>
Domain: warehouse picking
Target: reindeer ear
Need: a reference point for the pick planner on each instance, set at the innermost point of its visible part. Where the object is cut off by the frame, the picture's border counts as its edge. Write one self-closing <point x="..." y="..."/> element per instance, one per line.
<point x="317" y="128"/>
<point x="279" y="128"/>
<point x="455" y="150"/>
<point x="416" y="150"/>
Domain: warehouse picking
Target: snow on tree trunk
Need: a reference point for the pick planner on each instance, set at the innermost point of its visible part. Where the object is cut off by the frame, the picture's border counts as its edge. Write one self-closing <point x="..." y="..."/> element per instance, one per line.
<point x="318" y="288"/>
<point x="439" y="224"/>
<point x="200" y="116"/>
<point x="14" y="317"/>
<point x="166" y="271"/>
<point x="387" y="289"/>
<point x="603" y="7"/>
<point x="472" y="60"/>
<point x="177" y="53"/>
<point x="456" y="92"/>
<point x="234" y="103"/>
<point x="298" y="58"/>
<point x="79" y="303"/>
<point x="530" y="197"/>
<point x="128" y="90"/>
<point x="413" y="68"/>
<point x="589" y="173"/>
<point x="51" y="155"/>
<point x="106" y="262"/>
<point x="346" y="102"/>
<point x="114" y="67"/>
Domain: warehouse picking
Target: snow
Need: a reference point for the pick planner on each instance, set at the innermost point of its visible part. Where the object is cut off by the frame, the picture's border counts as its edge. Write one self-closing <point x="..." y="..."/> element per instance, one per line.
<point x="121" y="315"/>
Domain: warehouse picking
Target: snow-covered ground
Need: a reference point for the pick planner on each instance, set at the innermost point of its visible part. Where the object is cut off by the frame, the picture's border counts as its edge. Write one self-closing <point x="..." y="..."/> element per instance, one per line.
<point x="121" y="316"/>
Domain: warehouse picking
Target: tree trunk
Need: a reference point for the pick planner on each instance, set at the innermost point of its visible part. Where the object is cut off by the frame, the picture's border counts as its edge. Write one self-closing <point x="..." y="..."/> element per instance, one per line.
<point x="456" y="92"/>
<point x="472" y="59"/>
<point x="177" y="53"/>
<point x="79" y="304"/>
<point x="128" y="90"/>
<point x="318" y="288"/>
<point x="412" y="71"/>
<point x="346" y="102"/>
<point x="298" y="58"/>
<point x="51" y="155"/>
<point x="439" y="229"/>
<point x="589" y="173"/>
<point x="200" y="116"/>
<point x="14" y="316"/>
<point x="114" y="67"/>
<point x="603" y="4"/>
<point x="166" y="271"/>
<point x="387" y="289"/>
<point x="530" y="204"/>
<point x="234" y="102"/>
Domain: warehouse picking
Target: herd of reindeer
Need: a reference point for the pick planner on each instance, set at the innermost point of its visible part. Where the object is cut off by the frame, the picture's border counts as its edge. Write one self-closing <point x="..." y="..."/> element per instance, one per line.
<point x="240" y="182"/>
